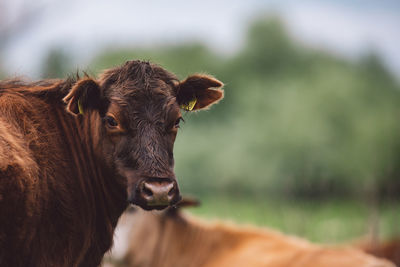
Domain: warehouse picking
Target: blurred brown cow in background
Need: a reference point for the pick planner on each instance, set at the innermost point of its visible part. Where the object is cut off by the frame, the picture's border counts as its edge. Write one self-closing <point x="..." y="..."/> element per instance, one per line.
<point x="74" y="153"/>
<point x="169" y="238"/>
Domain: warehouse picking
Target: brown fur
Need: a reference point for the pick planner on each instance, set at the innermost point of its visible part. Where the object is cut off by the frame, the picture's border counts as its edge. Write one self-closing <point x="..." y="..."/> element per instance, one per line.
<point x="172" y="239"/>
<point x="65" y="177"/>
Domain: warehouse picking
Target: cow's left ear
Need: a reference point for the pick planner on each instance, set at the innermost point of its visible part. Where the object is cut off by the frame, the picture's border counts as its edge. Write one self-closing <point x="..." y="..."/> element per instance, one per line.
<point x="194" y="92"/>
<point x="188" y="201"/>
<point x="84" y="95"/>
<point x="184" y="203"/>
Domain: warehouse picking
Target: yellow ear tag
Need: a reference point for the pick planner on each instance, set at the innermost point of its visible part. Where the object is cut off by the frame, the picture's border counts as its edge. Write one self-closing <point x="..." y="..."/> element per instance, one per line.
<point x="80" y="108"/>
<point x="190" y="105"/>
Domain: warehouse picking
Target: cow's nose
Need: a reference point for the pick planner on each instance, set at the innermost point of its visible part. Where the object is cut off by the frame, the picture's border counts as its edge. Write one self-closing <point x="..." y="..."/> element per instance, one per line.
<point x="159" y="192"/>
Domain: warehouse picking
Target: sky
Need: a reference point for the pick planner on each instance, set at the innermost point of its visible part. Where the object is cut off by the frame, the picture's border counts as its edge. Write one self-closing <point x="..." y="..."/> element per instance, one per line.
<point x="85" y="27"/>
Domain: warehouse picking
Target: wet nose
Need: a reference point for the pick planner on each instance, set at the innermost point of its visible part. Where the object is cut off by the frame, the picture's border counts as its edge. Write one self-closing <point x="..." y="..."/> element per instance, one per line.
<point x="159" y="192"/>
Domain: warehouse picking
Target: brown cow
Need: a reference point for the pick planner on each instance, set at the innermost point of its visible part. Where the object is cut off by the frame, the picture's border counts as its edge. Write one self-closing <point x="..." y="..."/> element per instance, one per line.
<point x="74" y="153"/>
<point x="169" y="238"/>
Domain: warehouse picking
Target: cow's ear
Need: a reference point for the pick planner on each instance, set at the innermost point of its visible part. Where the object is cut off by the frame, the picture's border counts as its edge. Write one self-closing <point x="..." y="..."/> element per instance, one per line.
<point x="194" y="92"/>
<point x="186" y="202"/>
<point x="84" y="95"/>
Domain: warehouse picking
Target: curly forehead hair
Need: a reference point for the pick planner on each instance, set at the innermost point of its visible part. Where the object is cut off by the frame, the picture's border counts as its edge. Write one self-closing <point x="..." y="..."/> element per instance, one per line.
<point x="137" y="74"/>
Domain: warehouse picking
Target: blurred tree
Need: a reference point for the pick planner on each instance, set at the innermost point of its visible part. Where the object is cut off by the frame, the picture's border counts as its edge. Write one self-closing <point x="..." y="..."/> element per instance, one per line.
<point x="57" y="64"/>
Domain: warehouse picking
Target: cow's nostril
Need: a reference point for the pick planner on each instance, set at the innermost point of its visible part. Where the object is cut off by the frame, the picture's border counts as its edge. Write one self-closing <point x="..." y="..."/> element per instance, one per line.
<point x="147" y="192"/>
<point x="171" y="192"/>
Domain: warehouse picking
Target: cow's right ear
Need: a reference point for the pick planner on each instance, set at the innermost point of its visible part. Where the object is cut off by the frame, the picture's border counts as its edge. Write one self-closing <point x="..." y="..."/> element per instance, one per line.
<point x="188" y="201"/>
<point x="84" y="95"/>
<point x="184" y="203"/>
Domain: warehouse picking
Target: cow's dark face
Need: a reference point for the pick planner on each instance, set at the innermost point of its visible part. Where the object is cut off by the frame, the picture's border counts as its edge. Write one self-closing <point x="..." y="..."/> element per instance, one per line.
<point x="138" y="111"/>
<point x="141" y="125"/>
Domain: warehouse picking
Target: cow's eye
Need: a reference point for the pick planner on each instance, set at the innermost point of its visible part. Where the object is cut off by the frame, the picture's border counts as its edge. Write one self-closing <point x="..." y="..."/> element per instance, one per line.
<point x="110" y="121"/>
<point x="177" y="122"/>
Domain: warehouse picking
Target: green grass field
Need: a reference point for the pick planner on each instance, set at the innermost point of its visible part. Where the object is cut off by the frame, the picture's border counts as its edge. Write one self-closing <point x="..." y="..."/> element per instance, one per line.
<point x="332" y="221"/>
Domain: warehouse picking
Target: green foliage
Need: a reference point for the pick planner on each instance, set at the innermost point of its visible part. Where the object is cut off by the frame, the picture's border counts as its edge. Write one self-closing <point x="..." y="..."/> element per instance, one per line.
<point x="181" y="60"/>
<point x="294" y="121"/>
<point x="56" y="64"/>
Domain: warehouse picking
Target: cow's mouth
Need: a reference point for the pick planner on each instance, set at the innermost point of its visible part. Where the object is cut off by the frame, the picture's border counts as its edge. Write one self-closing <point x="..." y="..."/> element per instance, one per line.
<point x="160" y="207"/>
<point x="147" y="206"/>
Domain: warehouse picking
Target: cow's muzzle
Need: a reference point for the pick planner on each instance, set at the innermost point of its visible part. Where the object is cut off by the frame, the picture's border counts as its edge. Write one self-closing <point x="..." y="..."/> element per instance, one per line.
<point x="156" y="193"/>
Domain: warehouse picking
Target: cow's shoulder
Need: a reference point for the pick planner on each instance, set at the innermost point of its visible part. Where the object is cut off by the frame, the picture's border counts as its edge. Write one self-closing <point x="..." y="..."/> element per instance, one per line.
<point x="18" y="166"/>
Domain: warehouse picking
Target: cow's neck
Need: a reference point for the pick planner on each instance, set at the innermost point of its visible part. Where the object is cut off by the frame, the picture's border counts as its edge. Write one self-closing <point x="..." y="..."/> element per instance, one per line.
<point x="109" y="183"/>
<point x="101" y="178"/>
<point x="104" y="194"/>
